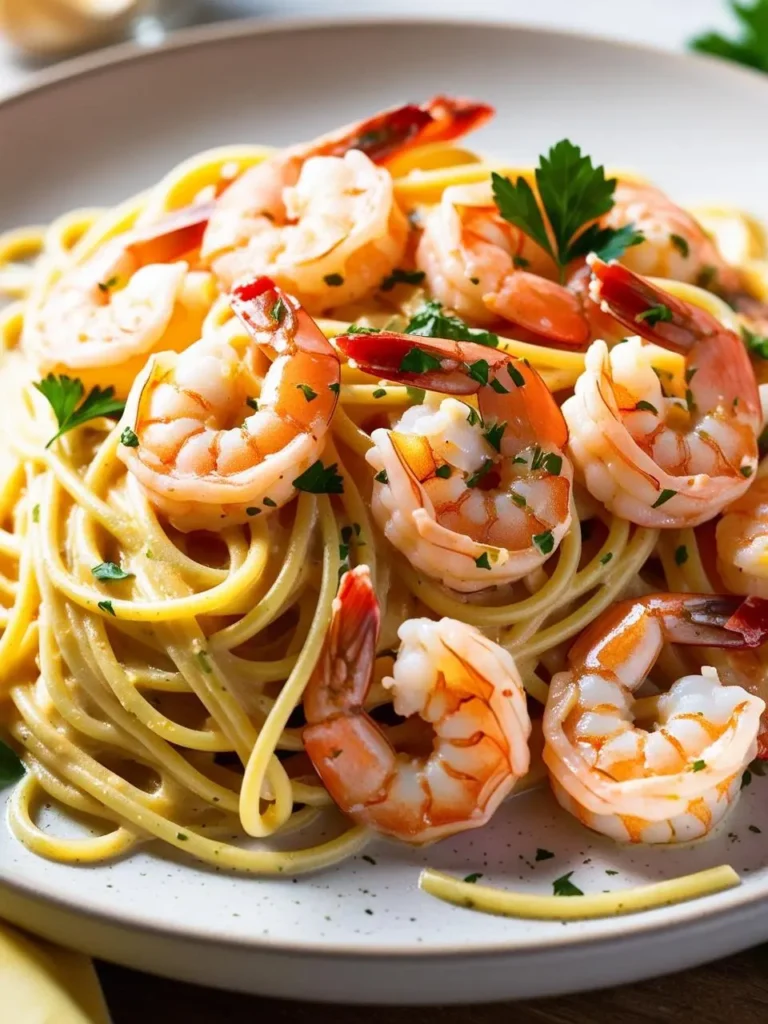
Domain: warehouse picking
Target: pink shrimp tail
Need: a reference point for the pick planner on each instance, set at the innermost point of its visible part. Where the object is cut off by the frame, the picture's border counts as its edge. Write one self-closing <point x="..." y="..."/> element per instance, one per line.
<point x="173" y="235"/>
<point x="454" y="117"/>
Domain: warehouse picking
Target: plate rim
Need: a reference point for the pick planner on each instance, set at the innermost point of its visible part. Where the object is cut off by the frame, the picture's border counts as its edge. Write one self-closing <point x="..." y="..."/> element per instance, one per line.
<point x="721" y="906"/>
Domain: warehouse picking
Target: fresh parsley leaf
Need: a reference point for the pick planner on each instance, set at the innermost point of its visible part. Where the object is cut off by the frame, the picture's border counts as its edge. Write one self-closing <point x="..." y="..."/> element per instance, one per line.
<point x="655" y="315"/>
<point x="473" y="417"/>
<point x="432" y="322"/>
<point x="252" y="403"/>
<point x="545" y="542"/>
<point x="757" y="344"/>
<point x="518" y="499"/>
<point x="746" y="471"/>
<point x="416" y="360"/>
<point x="494" y="434"/>
<point x="483" y="562"/>
<point x="574" y="193"/>
<point x="382" y="477"/>
<point x="307" y="391"/>
<point x="333" y="280"/>
<point x="399" y="276"/>
<point x="11" y="766"/>
<point x="129" y="439"/>
<point x="109" y="571"/>
<point x="664" y="497"/>
<point x="517" y="378"/>
<point x="320" y="479"/>
<point x="471" y="879"/>
<point x="35" y="513"/>
<point x="681" y="244"/>
<point x="520" y="262"/>
<point x="443" y="472"/>
<point x="647" y="407"/>
<point x="706" y="276"/>
<point x="563" y="886"/>
<point x="415" y="395"/>
<point x="474" y="479"/>
<point x="65" y="396"/>
<point x="479" y="371"/>
<point x="278" y="311"/>
<point x="355" y="329"/>
<point x="606" y="558"/>
<point x="106" y="606"/>
<point x="553" y="463"/>
<point x="681" y="555"/>
<point x="498" y="387"/>
<point x="253" y="511"/>
<point x="270" y="503"/>
<point x="746" y="779"/>
<point x="698" y="766"/>
<point x="543" y="855"/>
<point x="379" y="393"/>
<point x="750" y="47"/>
<point x="335" y="387"/>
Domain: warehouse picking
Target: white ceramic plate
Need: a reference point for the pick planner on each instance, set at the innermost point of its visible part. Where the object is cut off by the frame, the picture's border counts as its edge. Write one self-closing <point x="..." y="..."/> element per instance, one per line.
<point x="363" y="932"/>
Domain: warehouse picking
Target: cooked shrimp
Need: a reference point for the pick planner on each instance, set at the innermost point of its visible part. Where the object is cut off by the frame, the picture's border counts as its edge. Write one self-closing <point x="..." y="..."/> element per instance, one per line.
<point x="675" y="782"/>
<point x="465" y="686"/>
<point x="676" y="246"/>
<point x="483" y="267"/>
<point x="742" y="542"/>
<point x="322" y="218"/>
<point x="655" y="459"/>
<point x="473" y="501"/>
<point x="103" y="317"/>
<point x="207" y="453"/>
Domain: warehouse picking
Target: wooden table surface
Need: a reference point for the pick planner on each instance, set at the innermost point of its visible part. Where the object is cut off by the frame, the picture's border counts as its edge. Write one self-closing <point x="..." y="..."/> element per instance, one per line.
<point x="732" y="991"/>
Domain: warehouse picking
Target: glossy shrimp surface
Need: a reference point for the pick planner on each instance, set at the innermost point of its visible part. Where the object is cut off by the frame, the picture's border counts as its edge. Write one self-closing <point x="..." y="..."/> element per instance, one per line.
<point x="205" y="450"/>
<point x="675" y="780"/>
<point x="655" y="457"/>
<point x="322" y="218"/>
<point x="485" y="268"/>
<point x="742" y="542"/>
<point x="471" y="500"/>
<point x="135" y="294"/>
<point x="466" y="687"/>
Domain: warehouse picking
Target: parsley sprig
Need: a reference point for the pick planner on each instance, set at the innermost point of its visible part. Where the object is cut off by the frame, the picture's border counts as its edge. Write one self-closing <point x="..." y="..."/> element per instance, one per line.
<point x="65" y="395"/>
<point x="431" y="321"/>
<point x="751" y="47"/>
<point x="573" y="193"/>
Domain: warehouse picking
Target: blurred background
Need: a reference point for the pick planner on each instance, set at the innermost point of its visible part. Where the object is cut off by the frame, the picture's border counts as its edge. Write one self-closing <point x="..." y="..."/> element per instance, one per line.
<point x="37" y="33"/>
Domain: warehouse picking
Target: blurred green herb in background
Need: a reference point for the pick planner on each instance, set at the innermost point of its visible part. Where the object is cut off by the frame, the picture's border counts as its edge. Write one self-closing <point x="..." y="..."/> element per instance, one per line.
<point x="751" y="48"/>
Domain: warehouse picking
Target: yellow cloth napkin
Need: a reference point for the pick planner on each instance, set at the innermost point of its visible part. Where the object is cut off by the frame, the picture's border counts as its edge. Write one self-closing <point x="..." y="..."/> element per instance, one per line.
<point x="43" y="984"/>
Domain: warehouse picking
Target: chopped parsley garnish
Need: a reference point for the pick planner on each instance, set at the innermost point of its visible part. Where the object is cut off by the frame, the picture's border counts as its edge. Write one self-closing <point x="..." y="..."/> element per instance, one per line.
<point x="415" y="395"/>
<point x="471" y="879"/>
<point x="606" y="558"/>
<point x="654" y="315"/>
<point x="754" y="828"/>
<point x="545" y="542"/>
<point x="750" y="47"/>
<point x="65" y="396"/>
<point x="698" y="766"/>
<point x="379" y="393"/>
<point x="343" y="552"/>
<point x="494" y="434"/>
<point x="416" y="360"/>
<point x="431" y="322"/>
<point x="690" y="402"/>
<point x="106" y="606"/>
<point x="252" y="403"/>
<point x="355" y="329"/>
<point x="108" y="285"/>
<point x="307" y="391"/>
<point x="474" y="280"/>
<point x="319" y="479"/>
<point x="681" y="244"/>
<point x="543" y="855"/>
<point x="11" y="766"/>
<point x="205" y="665"/>
<point x="35" y="513"/>
<point x="473" y="417"/>
<point x="253" y="511"/>
<point x="518" y="499"/>
<point x="706" y="276"/>
<point x="746" y="471"/>
<point x="563" y="886"/>
<point x="498" y="387"/>
<point x="335" y="388"/>
<point x="483" y="561"/>
<point x="382" y="477"/>
<point x="663" y="498"/>
<point x="757" y="344"/>
<point x="368" y="858"/>
<point x="182" y="836"/>
<point x="681" y="555"/>
<point x="746" y="778"/>
<point x="517" y="378"/>
<point x="549" y="461"/>
<point x="270" y="503"/>
<point x="474" y="479"/>
<point x="647" y="407"/>
<point x="129" y="439"/>
<point x="479" y="371"/>
<point x="690" y="373"/>
<point x="443" y="472"/>
<point x="333" y="280"/>
<point x="278" y="311"/>
<point x="110" y="571"/>
<point x="520" y="262"/>
<point x="573" y="194"/>
<point x="399" y="276"/>
<point x="610" y="871"/>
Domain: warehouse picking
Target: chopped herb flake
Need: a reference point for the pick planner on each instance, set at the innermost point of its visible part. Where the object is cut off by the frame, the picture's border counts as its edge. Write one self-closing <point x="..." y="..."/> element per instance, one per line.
<point x="654" y="315"/>
<point x="681" y="554"/>
<point x="681" y="244"/>
<point x="518" y="499"/>
<point x="278" y="311"/>
<point x="563" y="886"/>
<point x="443" y="472"/>
<point x="698" y="766"/>
<point x="746" y="471"/>
<point x="110" y="571"/>
<point x="334" y="280"/>
<point x="498" y="387"/>
<point x="129" y="439"/>
<point x="545" y="542"/>
<point x="432" y="322"/>
<point x="307" y="391"/>
<point x="416" y="360"/>
<point x="108" y="285"/>
<point x="517" y="378"/>
<point x="399" y="276"/>
<point x="757" y="344"/>
<point x="205" y="665"/>
<point x="253" y="511"/>
<point x="606" y="558"/>
<point x="471" y="879"/>
<point x="252" y="403"/>
<point x="368" y="858"/>
<point x="270" y="503"/>
<point x="11" y="766"/>
<point x="647" y="407"/>
<point x="35" y="513"/>
<point x="754" y="828"/>
<point x="473" y="417"/>
<point x="379" y="393"/>
<point x="542" y="854"/>
<point x="106" y="606"/>
<point x="483" y="562"/>
<point x="335" y="388"/>
<point x="494" y="434"/>
<point x="520" y="262"/>
<point x="479" y="371"/>
<point x="474" y="479"/>
<point x="663" y="498"/>
<point x="382" y="477"/>
<point x="320" y="479"/>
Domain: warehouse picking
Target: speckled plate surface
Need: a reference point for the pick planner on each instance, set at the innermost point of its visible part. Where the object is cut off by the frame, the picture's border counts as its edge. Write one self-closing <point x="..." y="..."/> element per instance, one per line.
<point x="363" y="931"/>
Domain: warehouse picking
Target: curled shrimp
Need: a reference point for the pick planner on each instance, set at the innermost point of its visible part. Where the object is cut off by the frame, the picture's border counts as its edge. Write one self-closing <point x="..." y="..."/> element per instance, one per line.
<point x="321" y="218"/>
<point x="206" y="451"/>
<point x="676" y="246"/>
<point x="472" y="501"/>
<point x="668" y="784"/>
<point x="466" y="687"/>
<point x="103" y="317"/>
<point x="656" y="459"/>
<point x="483" y="267"/>
<point x="742" y="542"/>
